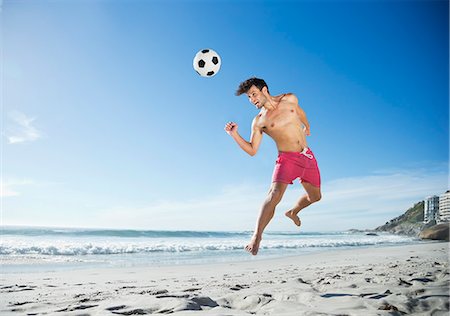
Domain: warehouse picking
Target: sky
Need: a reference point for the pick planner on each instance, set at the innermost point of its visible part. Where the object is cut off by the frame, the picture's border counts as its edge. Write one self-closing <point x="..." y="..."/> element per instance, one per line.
<point x="105" y="124"/>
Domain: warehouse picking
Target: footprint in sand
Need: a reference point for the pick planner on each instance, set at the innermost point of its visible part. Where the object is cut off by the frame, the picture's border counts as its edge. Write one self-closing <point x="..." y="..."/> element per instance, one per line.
<point x="75" y="308"/>
<point x="239" y="287"/>
<point x="423" y="280"/>
<point x="19" y="303"/>
<point x="388" y="307"/>
<point x="137" y="311"/>
<point x="204" y="301"/>
<point x="303" y="281"/>
<point x="115" y="308"/>
<point x="153" y="292"/>
<point x="403" y="282"/>
<point x="328" y="295"/>
<point x="21" y="288"/>
<point x="192" y="289"/>
<point x="173" y="296"/>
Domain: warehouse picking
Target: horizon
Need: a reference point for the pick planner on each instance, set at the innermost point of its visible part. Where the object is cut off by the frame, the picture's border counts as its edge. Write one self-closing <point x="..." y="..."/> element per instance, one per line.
<point x="163" y="230"/>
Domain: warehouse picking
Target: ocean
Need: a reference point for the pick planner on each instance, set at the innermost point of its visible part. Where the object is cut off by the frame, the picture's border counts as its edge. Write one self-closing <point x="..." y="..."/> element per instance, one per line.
<point x="28" y="249"/>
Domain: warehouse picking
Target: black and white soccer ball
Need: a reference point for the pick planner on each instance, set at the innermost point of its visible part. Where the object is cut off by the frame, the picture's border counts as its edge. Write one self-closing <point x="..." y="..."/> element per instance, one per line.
<point x="207" y="63"/>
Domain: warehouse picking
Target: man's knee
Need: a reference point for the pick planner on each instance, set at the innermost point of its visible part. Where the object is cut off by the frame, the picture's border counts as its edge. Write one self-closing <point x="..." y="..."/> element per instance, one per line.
<point x="314" y="197"/>
<point x="274" y="196"/>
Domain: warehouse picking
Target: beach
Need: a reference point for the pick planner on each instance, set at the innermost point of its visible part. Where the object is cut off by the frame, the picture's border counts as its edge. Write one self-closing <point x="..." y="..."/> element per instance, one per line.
<point x="408" y="279"/>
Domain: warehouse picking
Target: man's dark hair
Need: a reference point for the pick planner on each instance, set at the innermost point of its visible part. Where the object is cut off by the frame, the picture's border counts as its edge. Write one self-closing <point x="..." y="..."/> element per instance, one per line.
<point x="247" y="84"/>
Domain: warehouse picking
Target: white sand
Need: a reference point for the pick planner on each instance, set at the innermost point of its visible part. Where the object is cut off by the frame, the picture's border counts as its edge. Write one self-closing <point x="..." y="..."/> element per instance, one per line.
<point x="399" y="280"/>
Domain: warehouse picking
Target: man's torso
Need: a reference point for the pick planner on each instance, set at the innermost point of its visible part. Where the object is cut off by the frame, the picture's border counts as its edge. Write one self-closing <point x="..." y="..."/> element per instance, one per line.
<point x="284" y="125"/>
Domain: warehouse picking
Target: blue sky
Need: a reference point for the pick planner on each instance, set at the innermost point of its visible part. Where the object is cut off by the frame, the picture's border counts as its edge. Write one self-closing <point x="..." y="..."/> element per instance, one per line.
<point x="106" y="124"/>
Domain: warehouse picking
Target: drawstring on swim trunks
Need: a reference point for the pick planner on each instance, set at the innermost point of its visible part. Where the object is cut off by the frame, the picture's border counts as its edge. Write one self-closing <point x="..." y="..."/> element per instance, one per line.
<point x="304" y="153"/>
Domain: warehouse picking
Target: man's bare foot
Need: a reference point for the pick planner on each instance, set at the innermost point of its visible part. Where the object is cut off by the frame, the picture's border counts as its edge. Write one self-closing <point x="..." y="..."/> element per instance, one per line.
<point x="294" y="217"/>
<point x="253" y="246"/>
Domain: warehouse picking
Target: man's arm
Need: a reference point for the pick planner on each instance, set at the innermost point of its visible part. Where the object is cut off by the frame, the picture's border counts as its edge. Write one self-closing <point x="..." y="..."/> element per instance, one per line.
<point x="250" y="147"/>
<point x="304" y="120"/>
<point x="301" y="113"/>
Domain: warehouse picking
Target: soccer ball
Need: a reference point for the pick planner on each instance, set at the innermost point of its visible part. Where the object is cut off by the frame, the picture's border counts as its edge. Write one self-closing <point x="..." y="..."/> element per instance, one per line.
<point x="207" y="63"/>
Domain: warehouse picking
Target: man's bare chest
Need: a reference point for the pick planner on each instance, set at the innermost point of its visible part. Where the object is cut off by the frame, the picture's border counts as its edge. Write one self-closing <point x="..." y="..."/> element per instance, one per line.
<point x="278" y="120"/>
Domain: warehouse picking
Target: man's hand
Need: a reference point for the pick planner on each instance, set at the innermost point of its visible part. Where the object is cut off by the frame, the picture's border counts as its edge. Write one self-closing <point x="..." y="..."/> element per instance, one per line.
<point x="307" y="131"/>
<point x="231" y="128"/>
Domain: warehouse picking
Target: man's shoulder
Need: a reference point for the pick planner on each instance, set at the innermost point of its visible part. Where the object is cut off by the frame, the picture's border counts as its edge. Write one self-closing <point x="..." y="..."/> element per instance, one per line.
<point x="257" y="118"/>
<point x="290" y="97"/>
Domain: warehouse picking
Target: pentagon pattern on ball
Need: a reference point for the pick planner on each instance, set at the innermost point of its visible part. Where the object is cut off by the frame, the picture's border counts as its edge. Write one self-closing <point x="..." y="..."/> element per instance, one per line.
<point x="207" y="63"/>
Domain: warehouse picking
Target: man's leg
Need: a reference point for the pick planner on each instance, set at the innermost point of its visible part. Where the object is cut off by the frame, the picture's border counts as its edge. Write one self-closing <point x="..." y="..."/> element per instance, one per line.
<point x="267" y="211"/>
<point x="312" y="195"/>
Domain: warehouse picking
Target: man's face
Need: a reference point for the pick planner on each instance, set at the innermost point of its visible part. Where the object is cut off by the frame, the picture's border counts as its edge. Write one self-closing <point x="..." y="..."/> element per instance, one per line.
<point x="256" y="97"/>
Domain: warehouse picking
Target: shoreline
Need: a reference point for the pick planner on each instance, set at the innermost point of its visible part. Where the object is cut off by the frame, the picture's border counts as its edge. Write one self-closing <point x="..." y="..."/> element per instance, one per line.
<point x="46" y="264"/>
<point x="400" y="279"/>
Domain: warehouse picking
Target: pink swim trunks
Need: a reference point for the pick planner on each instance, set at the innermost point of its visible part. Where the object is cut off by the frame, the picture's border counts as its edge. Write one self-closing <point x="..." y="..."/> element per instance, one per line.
<point x="292" y="165"/>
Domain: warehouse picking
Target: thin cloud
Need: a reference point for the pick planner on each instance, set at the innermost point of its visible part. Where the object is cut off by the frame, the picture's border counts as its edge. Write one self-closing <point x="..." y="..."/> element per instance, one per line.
<point x="21" y="129"/>
<point x="9" y="188"/>
<point x="6" y="191"/>
<point x="203" y="213"/>
<point x="356" y="202"/>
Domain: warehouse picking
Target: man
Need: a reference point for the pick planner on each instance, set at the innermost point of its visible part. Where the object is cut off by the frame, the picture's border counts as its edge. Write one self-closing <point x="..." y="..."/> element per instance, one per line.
<point x="281" y="118"/>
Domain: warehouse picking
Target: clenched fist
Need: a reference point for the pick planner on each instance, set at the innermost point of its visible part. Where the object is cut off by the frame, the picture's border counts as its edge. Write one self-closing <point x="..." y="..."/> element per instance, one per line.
<point x="231" y="128"/>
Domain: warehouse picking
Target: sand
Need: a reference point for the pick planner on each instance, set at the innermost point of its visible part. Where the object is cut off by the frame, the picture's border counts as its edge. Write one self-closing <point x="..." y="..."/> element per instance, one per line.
<point x="409" y="279"/>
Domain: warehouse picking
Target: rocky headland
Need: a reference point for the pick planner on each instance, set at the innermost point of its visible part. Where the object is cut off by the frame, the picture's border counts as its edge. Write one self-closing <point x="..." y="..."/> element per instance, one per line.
<point x="411" y="223"/>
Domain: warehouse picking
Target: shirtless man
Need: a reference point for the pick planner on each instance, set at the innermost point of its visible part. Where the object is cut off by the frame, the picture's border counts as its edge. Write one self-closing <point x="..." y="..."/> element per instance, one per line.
<point x="281" y="118"/>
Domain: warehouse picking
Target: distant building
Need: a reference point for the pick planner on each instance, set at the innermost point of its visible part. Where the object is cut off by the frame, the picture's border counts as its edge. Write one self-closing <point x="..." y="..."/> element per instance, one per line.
<point x="431" y="209"/>
<point x="444" y="207"/>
